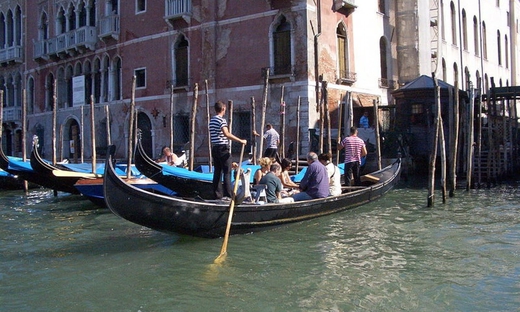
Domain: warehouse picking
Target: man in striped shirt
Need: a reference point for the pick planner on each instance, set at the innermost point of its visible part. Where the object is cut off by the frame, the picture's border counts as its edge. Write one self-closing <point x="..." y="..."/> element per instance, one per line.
<point x="354" y="149"/>
<point x="220" y="136"/>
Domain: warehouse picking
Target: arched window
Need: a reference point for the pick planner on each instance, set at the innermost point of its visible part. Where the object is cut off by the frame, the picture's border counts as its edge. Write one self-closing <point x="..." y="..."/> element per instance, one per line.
<point x="343" y="52"/>
<point x="484" y="40"/>
<point x="453" y="15"/>
<point x="10" y="28"/>
<point x="117" y="79"/>
<point x="2" y="30"/>
<point x="70" y="92"/>
<point x="61" y="22"/>
<point x="444" y="73"/>
<point x="475" y="36"/>
<point x="381" y="6"/>
<point x="443" y="28"/>
<point x="506" y="52"/>
<point x="499" y="48"/>
<point x="18" y="26"/>
<point x="71" y="14"/>
<point x="382" y="57"/>
<point x="105" y="70"/>
<point x="49" y="92"/>
<point x="97" y="80"/>
<point x="30" y="95"/>
<point x="455" y="74"/>
<point x="181" y="62"/>
<point x="282" y="47"/>
<point x="464" y="30"/>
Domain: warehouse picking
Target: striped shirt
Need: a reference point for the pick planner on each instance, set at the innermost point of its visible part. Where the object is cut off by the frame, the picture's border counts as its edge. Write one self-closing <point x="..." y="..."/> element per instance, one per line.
<point x="216" y="124"/>
<point x="352" y="145"/>
<point x="271" y="137"/>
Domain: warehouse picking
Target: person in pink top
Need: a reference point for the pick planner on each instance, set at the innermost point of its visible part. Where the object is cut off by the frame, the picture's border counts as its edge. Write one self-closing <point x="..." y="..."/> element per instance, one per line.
<point x="354" y="149"/>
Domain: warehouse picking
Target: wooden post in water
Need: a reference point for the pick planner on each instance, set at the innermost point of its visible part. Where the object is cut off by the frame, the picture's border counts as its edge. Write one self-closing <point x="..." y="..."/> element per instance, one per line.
<point x="322" y="119"/>
<point x="230" y="125"/>
<point x="433" y="155"/>
<point x="54" y="117"/>
<point x="479" y="134"/>
<point x="340" y="120"/>
<point x="454" y="138"/>
<point x="442" y="143"/>
<point x="327" y="116"/>
<point x="491" y="141"/>
<point x="193" y="123"/>
<point x="282" y="125"/>
<point x="131" y="130"/>
<point x="253" y="130"/>
<point x="109" y="137"/>
<point x="376" y="129"/>
<point x="208" y="118"/>
<point x="24" y="131"/>
<point x="82" y="149"/>
<point x="93" y="133"/>
<point x="171" y="118"/>
<point x="297" y="149"/>
<point x="469" y="140"/>
<point x="264" y="108"/>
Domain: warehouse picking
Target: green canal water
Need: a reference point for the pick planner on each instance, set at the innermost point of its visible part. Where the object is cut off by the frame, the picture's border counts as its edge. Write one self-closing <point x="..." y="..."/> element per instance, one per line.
<point x="65" y="254"/>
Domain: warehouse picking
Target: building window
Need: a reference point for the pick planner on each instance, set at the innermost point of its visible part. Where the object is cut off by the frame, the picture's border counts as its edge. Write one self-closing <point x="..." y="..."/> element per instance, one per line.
<point x="181" y="131"/>
<point x="140" y="6"/>
<point x="381" y="6"/>
<point x="453" y="14"/>
<point x="181" y="62"/>
<point x="417" y="114"/>
<point x="444" y="73"/>
<point x="140" y="77"/>
<point x="116" y="78"/>
<point x="282" y="47"/>
<point x="464" y="30"/>
<point x="443" y="28"/>
<point x="382" y="58"/>
<point x="506" y="52"/>
<point x="499" y="48"/>
<point x="484" y="40"/>
<point x="475" y="36"/>
<point x="343" y="52"/>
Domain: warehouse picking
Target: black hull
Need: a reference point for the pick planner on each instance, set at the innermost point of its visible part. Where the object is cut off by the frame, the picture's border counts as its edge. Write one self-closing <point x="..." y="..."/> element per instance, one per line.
<point x="31" y="176"/>
<point x="45" y="171"/>
<point x="206" y="219"/>
<point x="182" y="186"/>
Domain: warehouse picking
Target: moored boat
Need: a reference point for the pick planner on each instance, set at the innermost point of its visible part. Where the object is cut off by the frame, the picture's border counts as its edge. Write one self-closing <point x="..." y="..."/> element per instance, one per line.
<point x="209" y="218"/>
<point x="186" y="183"/>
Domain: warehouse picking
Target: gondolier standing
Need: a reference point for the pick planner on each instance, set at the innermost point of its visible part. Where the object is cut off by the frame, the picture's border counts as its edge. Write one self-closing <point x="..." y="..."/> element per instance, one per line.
<point x="354" y="150"/>
<point x="220" y="136"/>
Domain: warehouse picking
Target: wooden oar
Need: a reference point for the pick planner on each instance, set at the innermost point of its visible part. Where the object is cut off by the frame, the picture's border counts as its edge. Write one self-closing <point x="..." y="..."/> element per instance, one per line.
<point x="223" y="251"/>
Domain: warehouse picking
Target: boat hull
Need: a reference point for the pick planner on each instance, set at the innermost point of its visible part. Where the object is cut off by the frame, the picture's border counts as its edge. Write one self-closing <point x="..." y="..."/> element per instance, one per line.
<point x="209" y="218"/>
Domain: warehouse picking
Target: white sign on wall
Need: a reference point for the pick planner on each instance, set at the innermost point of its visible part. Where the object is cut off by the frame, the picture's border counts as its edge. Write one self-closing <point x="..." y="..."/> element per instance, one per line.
<point x="78" y="90"/>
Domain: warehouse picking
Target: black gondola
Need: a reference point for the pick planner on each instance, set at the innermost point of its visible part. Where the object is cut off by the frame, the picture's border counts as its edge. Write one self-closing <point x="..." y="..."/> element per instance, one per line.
<point x="56" y="178"/>
<point x="209" y="218"/>
<point x="184" y="182"/>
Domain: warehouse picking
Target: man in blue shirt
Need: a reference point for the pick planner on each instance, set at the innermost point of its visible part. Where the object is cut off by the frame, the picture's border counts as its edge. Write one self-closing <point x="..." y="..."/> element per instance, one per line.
<point x="315" y="182"/>
<point x="363" y="121"/>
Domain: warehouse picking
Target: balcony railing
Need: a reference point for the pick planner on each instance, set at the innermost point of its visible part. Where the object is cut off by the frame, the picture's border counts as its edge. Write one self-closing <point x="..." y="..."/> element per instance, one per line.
<point x="176" y="9"/>
<point x="73" y="40"/>
<point x="12" y="114"/>
<point x="40" y="49"/>
<point x="347" y="77"/>
<point x="11" y="54"/>
<point x="387" y="83"/>
<point x="109" y="27"/>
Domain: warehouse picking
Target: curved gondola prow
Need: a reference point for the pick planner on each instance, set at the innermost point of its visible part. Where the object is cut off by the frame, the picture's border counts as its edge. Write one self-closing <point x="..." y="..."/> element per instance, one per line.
<point x="142" y="161"/>
<point x="4" y="161"/>
<point x="37" y="161"/>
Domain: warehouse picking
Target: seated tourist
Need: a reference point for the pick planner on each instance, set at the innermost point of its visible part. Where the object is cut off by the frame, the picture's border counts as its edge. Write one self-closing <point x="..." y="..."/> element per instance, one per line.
<point x="274" y="186"/>
<point x="315" y="182"/>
